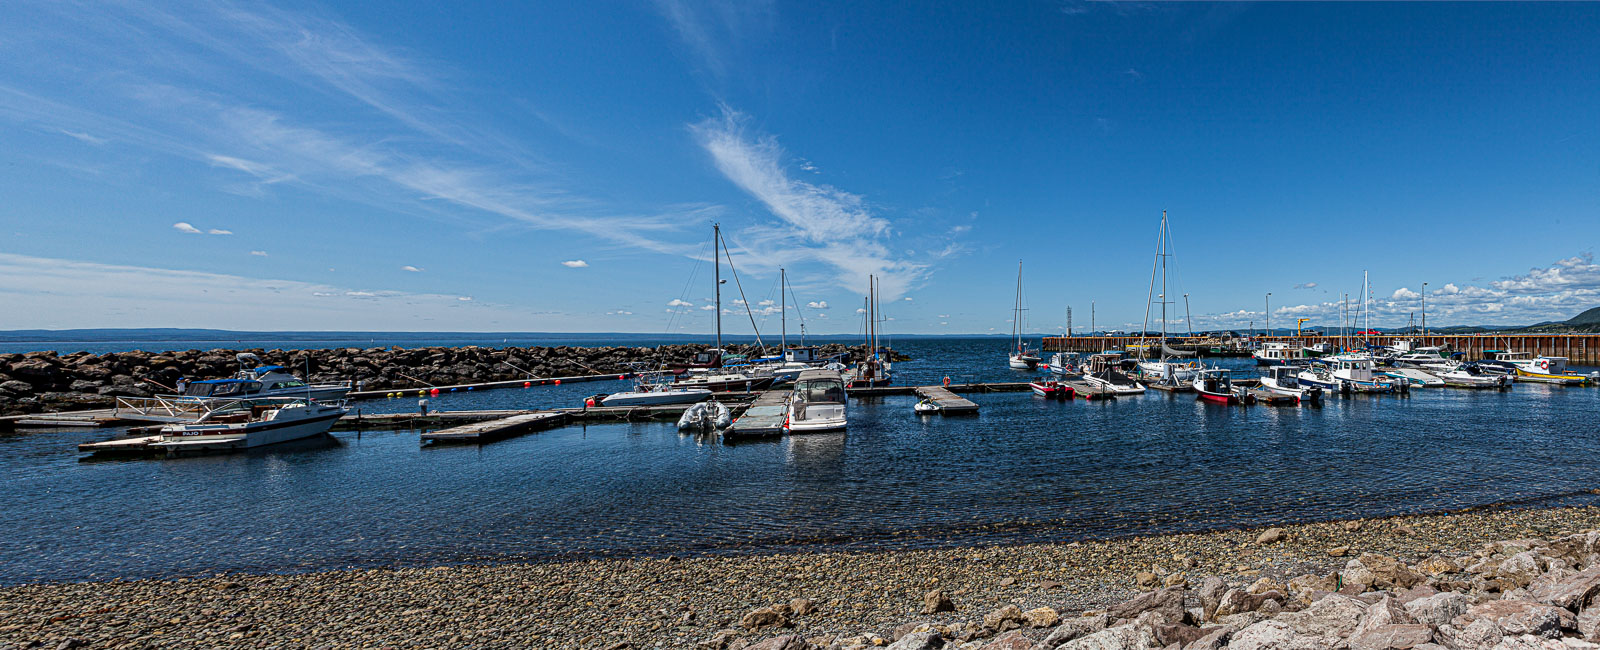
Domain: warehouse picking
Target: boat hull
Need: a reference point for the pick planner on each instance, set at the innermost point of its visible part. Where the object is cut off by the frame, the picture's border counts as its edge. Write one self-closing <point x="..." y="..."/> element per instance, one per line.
<point x="656" y="398"/>
<point x="1544" y="378"/>
<point x="245" y="436"/>
<point x="1051" y="392"/>
<point x="1216" y="398"/>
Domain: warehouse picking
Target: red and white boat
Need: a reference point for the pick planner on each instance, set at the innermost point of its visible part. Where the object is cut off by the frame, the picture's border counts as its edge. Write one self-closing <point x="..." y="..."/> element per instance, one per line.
<point x="1050" y="389"/>
<point x="1213" y="385"/>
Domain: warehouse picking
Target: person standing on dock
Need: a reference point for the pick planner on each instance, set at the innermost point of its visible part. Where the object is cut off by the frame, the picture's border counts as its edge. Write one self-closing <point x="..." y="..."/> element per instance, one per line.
<point x="182" y="384"/>
<point x="422" y="406"/>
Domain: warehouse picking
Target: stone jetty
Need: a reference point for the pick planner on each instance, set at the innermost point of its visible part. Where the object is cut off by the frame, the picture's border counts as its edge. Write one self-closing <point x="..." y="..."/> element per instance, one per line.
<point x="35" y="382"/>
<point x="1509" y="579"/>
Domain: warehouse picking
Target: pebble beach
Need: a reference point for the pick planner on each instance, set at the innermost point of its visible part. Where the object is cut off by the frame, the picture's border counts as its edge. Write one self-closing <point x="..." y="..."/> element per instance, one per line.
<point x="791" y="600"/>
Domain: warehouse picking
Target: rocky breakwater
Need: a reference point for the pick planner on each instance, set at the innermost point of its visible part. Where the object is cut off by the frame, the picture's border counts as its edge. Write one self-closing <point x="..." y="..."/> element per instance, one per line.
<point x="35" y="382"/>
<point x="1508" y="595"/>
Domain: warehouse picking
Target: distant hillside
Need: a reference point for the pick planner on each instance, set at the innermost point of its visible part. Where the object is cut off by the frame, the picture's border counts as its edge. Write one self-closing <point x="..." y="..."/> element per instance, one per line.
<point x="1591" y="317"/>
<point x="1588" y="321"/>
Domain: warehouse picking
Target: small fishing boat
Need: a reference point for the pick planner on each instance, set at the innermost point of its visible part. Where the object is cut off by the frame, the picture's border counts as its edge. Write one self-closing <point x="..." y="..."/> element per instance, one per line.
<point x="1473" y="376"/>
<point x="1284" y="380"/>
<point x="1105" y="371"/>
<point x="1064" y="364"/>
<point x="1316" y="350"/>
<point x="1214" y="385"/>
<point x="1274" y="353"/>
<point x="1542" y="369"/>
<point x="265" y="422"/>
<point x="705" y="416"/>
<point x="1355" y="373"/>
<point x="817" y="403"/>
<point x="1050" y="389"/>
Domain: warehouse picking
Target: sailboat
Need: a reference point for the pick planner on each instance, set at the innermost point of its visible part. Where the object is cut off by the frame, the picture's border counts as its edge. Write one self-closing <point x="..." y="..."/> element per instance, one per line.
<point x="873" y="370"/>
<point x="721" y="378"/>
<point x="1021" y="358"/>
<point x="1164" y="371"/>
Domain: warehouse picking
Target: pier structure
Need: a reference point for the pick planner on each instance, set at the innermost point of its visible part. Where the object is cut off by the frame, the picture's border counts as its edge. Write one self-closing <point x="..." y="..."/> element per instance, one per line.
<point x="1581" y="349"/>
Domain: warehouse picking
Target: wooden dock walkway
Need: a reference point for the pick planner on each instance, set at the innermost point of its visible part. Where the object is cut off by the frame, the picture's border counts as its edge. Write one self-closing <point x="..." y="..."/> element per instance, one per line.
<point x="93" y="418"/>
<point x="1086" y="390"/>
<point x="763" y="417"/>
<point x="492" y="430"/>
<point x="998" y="387"/>
<point x="484" y="385"/>
<point x="949" y="403"/>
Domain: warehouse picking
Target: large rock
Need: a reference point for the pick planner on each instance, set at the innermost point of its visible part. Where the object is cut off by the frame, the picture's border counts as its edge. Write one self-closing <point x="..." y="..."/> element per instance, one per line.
<point x="1380" y="571"/>
<point x="1517" y="617"/>
<point x="1333" y="616"/>
<point x="1010" y="641"/>
<point x="790" y="642"/>
<point x="1236" y="601"/>
<point x="1519" y="570"/>
<point x="1005" y="618"/>
<point x="936" y="601"/>
<point x="1041" y="617"/>
<point x="1567" y="590"/>
<point x="1073" y="628"/>
<point x="1215" y="637"/>
<point x="1388" y="637"/>
<point x="1211" y="591"/>
<point x="1274" y="635"/>
<point x="1168" y="602"/>
<point x="926" y="640"/>
<point x="1438" y="609"/>
<point x="1126" y="637"/>
<point x="764" y="617"/>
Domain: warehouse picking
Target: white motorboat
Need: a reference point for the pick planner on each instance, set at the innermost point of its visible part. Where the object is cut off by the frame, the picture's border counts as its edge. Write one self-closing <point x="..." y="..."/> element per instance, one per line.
<point x="1354" y="373"/>
<point x="1415" y="377"/>
<point x="1064" y="364"/>
<point x="926" y="407"/>
<point x="254" y="380"/>
<point x="1169" y="371"/>
<point x="1424" y="361"/>
<point x="817" y="403"/>
<point x="1285" y="380"/>
<point x="1472" y="376"/>
<point x="256" y="424"/>
<point x="705" y="416"/>
<point x="1105" y="372"/>
<point x="650" y="389"/>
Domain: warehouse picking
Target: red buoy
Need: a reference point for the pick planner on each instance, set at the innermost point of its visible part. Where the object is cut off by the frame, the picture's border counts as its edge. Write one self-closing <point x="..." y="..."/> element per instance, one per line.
<point x="434" y="391"/>
<point x="527" y="384"/>
<point x="558" y="382"/>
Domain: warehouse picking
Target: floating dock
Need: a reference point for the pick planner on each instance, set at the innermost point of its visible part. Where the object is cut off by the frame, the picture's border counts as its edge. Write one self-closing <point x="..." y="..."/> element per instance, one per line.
<point x="1086" y="390"/>
<point x="949" y="403"/>
<point x="428" y="391"/>
<point x="998" y="387"/>
<point x="492" y="430"/>
<point x="764" y="416"/>
<point x="94" y="418"/>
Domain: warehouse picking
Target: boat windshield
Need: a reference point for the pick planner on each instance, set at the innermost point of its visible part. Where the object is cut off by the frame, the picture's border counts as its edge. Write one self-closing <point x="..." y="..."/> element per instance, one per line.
<point x="227" y="388"/>
<point x="819" y="390"/>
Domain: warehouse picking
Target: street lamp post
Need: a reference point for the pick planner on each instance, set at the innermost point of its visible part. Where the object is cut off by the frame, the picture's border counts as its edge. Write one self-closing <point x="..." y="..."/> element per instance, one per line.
<point x="1269" y="313"/>
<point x="1424" y="313"/>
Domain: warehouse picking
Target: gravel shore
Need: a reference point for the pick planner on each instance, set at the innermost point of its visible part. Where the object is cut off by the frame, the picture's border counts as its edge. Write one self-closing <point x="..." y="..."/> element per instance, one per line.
<point x="684" y="603"/>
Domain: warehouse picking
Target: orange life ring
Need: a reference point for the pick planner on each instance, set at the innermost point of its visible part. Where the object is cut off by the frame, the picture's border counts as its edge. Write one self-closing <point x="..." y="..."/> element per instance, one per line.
<point x="947" y="380"/>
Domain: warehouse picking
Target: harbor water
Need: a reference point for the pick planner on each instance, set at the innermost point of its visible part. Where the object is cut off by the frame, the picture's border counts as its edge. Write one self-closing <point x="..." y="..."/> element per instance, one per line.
<point x="1022" y="470"/>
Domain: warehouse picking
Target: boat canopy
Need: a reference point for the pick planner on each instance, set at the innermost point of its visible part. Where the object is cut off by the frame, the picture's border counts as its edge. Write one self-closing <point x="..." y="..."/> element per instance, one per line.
<point x="814" y="386"/>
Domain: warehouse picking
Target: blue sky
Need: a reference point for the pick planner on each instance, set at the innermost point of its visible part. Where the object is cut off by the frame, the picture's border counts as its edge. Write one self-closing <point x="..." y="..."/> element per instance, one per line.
<point x="557" y="166"/>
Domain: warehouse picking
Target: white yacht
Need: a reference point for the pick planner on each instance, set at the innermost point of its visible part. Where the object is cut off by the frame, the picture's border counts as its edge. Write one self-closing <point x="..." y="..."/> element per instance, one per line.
<point x="1473" y="376"/>
<point x="1021" y="357"/>
<point x="1105" y="371"/>
<point x="817" y="403"/>
<point x="263" y="422"/>
<point x="653" y="389"/>
<point x="1424" y="361"/>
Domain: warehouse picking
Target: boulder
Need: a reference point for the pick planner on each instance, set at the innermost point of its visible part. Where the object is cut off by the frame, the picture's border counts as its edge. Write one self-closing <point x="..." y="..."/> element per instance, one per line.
<point x="1168" y="602"/>
<point x="1211" y="592"/>
<point x="1387" y="637"/>
<point x="1438" y="609"/>
<point x="16" y="387"/>
<point x="764" y="617"/>
<point x="1438" y="565"/>
<point x="1480" y="633"/>
<point x="1519" y="570"/>
<point x="1041" y="617"/>
<point x="1003" y="619"/>
<point x="1236" y="601"/>
<point x="1379" y="571"/>
<point x="1074" y="628"/>
<point x="936" y="601"/>
<point x="1010" y="641"/>
<point x="1334" y="615"/>
<point x="789" y="642"/>
<point x="1273" y="635"/>
<point x="926" y="640"/>
<point x="1565" y="589"/>
<point x="1517" y="617"/>
<point x="1126" y="637"/>
<point x="1272" y="536"/>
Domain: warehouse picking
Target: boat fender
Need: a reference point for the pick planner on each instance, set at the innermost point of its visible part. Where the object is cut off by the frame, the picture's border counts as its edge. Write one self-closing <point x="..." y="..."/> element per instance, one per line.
<point x="621" y="377"/>
<point x="433" y="392"/>
<point x="558" y="382"/>
<point x="589" y="402"/>
<point x="527" y="384"/>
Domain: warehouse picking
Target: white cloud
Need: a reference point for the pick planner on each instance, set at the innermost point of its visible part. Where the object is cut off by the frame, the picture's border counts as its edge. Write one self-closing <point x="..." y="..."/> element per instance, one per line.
<point x="680" y="303"/>
<point x="708" y="308"/>
<point x="907" y="299"/>
<point x="259" y="253"/>
<point x="82" y="137"/>
<point x="861" y="310"/>
<point x="186" y="227"/>
<point x="818" y="304"/>
<point x="218" y="231"/>
<point x="819" y="222"/>
<point x="411" y="268"/>
<point x="944" y="315"/>
<point x="1405" y="294"/>
<point x="575" y="264"/>
<point x="1306" y="285"/>
<point x="767" y="303"/>
<point x="464" y="298"/>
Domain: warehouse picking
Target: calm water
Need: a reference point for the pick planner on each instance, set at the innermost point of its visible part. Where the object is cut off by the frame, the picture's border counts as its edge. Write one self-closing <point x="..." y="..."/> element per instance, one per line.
<point x="1023" y="470"/>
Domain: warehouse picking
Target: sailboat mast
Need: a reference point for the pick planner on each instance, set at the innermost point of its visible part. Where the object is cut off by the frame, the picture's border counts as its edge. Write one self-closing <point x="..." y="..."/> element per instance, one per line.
<point x="1016" y="313"/>
<point x="783" y="309"/>
<point x="1161" y="249"/>
<point x="716" y="263"/>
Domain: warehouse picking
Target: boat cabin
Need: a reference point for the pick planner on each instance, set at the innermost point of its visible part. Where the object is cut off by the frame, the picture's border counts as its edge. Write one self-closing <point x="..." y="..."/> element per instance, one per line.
<point x="801" y="355"/>
<point x="818" y="386"/>
<point x="223" y="388"/>
<point x="1285" y="376"/>
<point x="1214" y="380"/>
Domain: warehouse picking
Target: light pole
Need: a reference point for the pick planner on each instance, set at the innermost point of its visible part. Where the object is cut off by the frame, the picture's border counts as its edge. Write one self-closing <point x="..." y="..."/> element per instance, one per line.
<point x="1424" y="312"/>
<point x="1269" y="313"/>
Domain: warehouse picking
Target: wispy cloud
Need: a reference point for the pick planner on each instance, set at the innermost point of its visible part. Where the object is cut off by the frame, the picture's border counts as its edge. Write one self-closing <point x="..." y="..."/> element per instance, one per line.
<point x="82" y="137"/>
<point x="411" y="269"/>
<point x="63" y="293"/>
<point x="675" y="302"/>
<point x="219" y="231"/>
<point x="259" y="253"/>
<point x="715" y="29"/>
<point x="575" y="264"/>
<point x="819" y="222"/>
<point x="1306" y="285"/>
<point x="186" y="227"/>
